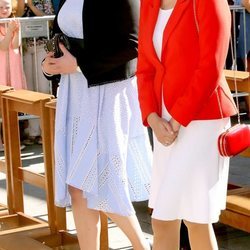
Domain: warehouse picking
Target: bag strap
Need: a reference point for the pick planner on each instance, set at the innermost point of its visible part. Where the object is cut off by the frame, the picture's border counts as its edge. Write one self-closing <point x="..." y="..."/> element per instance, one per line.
<point x="233" y="60"/>
<point x="195" y="16"/>
<point x="234" y="68"/>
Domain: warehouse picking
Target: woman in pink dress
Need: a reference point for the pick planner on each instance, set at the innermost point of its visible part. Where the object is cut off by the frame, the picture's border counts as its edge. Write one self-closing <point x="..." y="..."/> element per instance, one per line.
<point x="11" y="72"/>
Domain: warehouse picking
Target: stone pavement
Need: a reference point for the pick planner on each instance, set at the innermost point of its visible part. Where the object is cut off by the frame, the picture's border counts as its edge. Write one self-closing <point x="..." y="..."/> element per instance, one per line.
<point x="35" y="205"/>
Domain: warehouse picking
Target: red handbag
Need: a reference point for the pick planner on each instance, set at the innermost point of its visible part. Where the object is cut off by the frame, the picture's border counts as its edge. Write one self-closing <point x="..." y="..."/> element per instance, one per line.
<point x="237" y="138"/>
<point x="234" y="140"/>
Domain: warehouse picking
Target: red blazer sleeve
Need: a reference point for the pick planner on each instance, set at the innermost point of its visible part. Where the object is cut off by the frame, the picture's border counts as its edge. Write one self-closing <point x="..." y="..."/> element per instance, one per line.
<point x="214" y="22"/>
<point x="145" y="76"/>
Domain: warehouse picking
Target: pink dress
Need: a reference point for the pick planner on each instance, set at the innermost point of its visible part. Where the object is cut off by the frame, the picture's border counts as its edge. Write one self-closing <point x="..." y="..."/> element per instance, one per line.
<point x="11" y="72"/>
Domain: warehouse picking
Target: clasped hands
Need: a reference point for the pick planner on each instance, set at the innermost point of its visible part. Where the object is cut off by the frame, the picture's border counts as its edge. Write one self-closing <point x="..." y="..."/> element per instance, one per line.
<point x="65" y="64"/>
<point x="165" y="131"/>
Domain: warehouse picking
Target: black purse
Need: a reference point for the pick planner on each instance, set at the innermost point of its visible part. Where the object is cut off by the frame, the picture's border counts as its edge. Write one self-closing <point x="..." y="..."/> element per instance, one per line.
<point x="52" y="45"/>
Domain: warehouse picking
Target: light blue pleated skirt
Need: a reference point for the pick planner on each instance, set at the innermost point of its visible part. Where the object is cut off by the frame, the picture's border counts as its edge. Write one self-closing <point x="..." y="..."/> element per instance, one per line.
<point x="101" y="146"/>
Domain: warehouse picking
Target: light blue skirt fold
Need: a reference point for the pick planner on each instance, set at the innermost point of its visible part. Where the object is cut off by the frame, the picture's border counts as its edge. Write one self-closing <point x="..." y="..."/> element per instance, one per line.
<point x="101" y="146"/>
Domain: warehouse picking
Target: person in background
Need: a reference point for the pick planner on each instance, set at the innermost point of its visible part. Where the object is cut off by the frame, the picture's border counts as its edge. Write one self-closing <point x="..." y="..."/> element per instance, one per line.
<point x="241" y="53"/>
<point x="56" y="5"/>
<point x="235" y="21"/>
<point x="243" y="46"/>
<point x="185" y="99"/>
<point x="55" y="81"/>
<point x="11" y="71"/>
<point x="32" y="8"/>
<point x="244" y="55"/>
<point x="102" y="150"/>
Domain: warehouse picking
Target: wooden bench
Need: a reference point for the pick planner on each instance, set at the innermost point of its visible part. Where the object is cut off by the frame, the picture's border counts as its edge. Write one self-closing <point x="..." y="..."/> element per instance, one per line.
<point x="45" y="242"/>
<point x="3" y="169"/>
<point x="13" y="102"/>
<point x="20" y="242"/>
<point x="246" y="153"/>
<point x="243" y="83"/>
<point x="237" y="213"/>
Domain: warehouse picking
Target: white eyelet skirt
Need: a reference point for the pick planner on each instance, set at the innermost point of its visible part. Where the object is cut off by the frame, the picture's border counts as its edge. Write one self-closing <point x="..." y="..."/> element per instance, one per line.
<point x="189" y="178"/>
<point x="101" y="146"/>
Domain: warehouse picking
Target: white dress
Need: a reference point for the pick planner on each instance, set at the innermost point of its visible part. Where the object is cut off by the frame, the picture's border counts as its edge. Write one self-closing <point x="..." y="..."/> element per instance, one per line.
<point x="189" y="179"/>
<point x="101" y="146"/>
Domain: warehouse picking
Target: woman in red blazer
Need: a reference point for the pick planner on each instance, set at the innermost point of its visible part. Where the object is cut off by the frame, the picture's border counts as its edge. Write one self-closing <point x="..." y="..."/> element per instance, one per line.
<point x="185" y="99"/>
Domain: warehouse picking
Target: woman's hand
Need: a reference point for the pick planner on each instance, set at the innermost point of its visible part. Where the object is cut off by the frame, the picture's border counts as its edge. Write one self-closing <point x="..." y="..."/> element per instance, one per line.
<point x="13" y="36"/>
<point x="163" y="130"/>
<point x="175" y="125"/>
<point x="64" y="65"/>
<point x="14" y="26"/>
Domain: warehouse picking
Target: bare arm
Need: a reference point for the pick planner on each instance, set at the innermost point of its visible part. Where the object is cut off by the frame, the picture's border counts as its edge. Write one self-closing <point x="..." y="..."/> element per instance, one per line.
<point x="34" y="9"/>
<point x="16" y="40"/>
<point x="20" y="8"/>
<point x="12" y="36"/>
<point x="246" y="4"/>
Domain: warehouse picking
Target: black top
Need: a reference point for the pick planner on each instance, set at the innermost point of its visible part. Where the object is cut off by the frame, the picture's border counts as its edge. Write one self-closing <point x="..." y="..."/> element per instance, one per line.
<point x="110" y="29"/>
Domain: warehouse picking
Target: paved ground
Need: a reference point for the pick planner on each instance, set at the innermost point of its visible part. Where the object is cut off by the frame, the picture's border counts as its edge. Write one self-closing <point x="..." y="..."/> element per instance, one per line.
<point x="35" y="205"/>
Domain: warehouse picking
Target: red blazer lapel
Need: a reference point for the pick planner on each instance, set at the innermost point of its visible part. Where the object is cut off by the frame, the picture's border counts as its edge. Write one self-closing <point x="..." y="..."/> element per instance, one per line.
<point x="149" y="21"/>
<point x="175" y="17"/>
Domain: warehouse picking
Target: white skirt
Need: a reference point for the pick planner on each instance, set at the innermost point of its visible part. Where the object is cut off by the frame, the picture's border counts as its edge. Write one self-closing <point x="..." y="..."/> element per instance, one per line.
<point x="101" y="146"/>
<point x="190" y="177"/>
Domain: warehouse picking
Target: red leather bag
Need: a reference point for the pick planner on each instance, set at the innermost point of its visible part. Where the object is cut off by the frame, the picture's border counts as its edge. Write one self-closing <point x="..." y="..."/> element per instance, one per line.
<point x="237" y="138"/>
<point x="234" y="140"/>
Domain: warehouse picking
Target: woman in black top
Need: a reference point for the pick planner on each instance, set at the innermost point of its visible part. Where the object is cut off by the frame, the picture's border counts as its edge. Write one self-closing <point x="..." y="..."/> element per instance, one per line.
<point x="102" y="151"/>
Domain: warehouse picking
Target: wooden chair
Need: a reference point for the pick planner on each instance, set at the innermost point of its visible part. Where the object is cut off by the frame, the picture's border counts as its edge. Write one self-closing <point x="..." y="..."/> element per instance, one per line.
<point x="33" y="232"/>
<point x="243" y="83"/>
<point x="4" y="208"/>
<point x="237" y="213"/>
<point x="29" y="102"/>
<point x="20" y="242"/>
<point x="60" y="212"/>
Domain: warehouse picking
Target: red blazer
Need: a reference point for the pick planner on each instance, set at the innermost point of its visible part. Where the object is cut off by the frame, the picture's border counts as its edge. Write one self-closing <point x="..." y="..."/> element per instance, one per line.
<point x="190" y="72"/>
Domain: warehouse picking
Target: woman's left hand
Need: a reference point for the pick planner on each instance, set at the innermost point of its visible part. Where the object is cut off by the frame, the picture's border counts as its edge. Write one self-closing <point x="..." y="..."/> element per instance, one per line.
<point x="63" y="65"/>
<point x="175" y="125"/>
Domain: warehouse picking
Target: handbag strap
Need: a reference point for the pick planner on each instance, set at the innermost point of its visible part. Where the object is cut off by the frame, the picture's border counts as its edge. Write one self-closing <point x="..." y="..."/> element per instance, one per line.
<point x="195" y="17"/>
<point x="233" y="60"/>
<point x="234" y="66"/>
